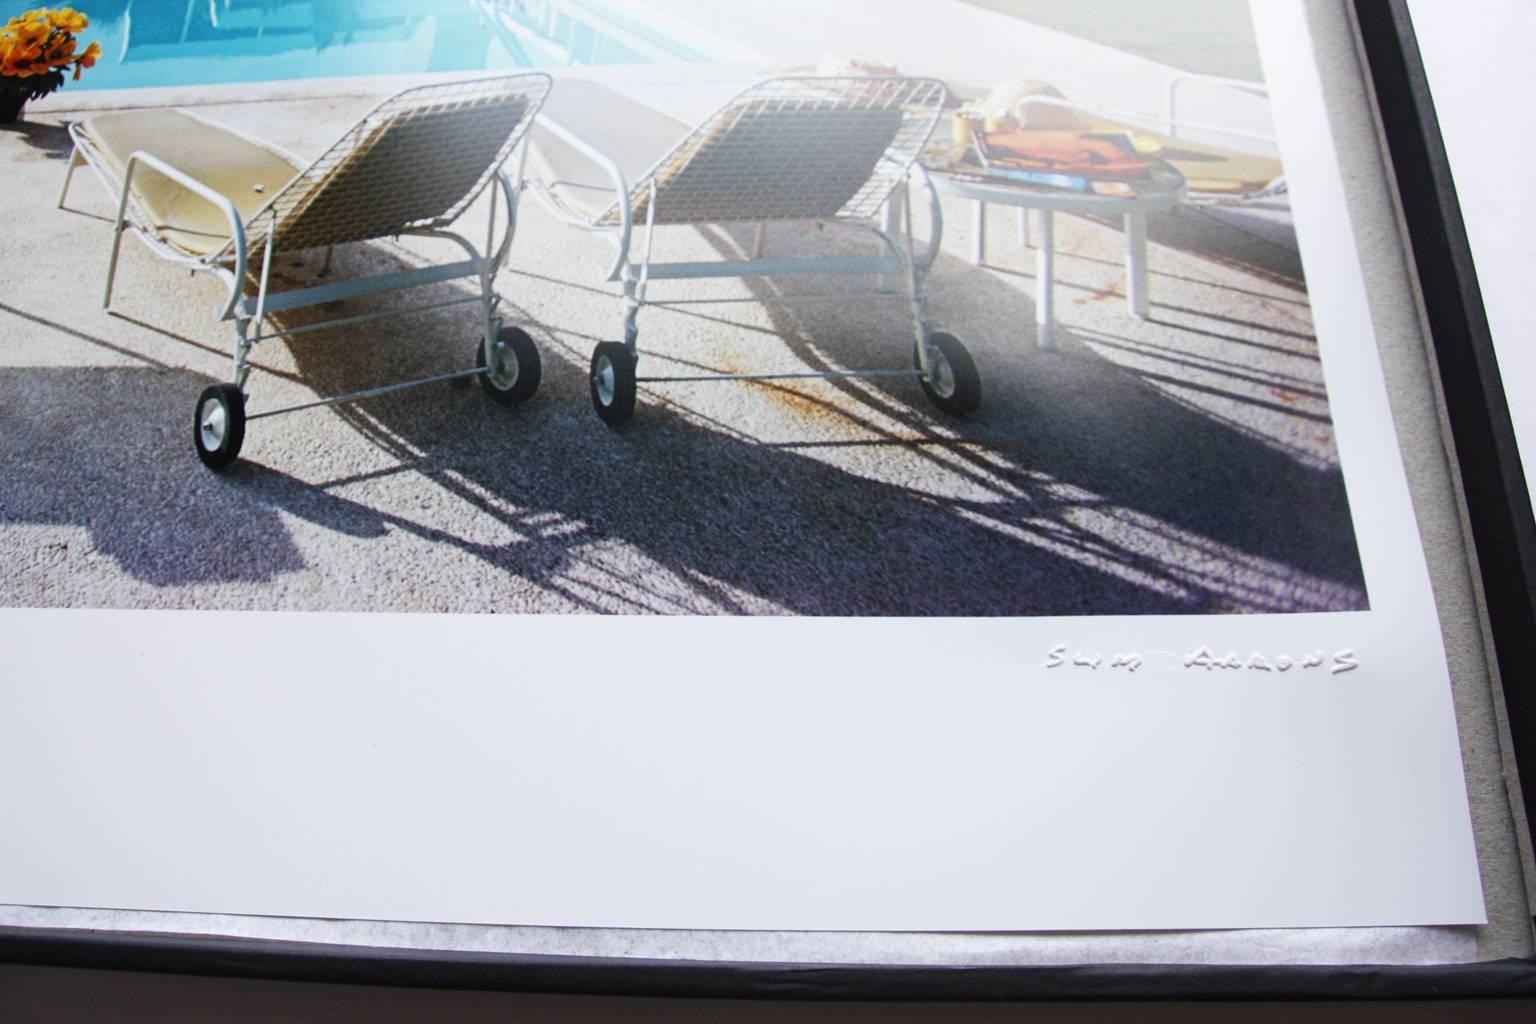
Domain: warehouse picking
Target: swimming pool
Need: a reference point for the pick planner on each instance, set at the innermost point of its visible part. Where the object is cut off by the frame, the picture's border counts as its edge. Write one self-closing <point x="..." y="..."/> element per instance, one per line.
<point x="194" y="42"/>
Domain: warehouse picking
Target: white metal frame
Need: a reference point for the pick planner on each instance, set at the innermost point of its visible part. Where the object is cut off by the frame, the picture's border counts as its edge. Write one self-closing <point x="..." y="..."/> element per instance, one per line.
<point x="1171" y="104"/>
<point x="896" y="261"/>
<point x="231" y="262"/>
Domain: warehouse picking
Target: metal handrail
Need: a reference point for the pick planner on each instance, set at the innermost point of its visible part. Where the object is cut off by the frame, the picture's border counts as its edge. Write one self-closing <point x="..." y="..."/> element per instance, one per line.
<point x="1126" y="115"/>
<point x="1174" y="81"/>
<point x="223" y="202"/>
<point x="615" y="174"/>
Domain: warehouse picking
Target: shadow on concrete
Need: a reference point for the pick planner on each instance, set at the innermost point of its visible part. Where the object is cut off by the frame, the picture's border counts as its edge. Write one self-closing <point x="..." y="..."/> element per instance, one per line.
<point x="1084" y="490"/>
<point x="109" y="450"/>
<point x="46" y="141"/>
<point x="1075" y="418"/>
<point x="1232" y="236"/>
<point x="1077" y="489"/>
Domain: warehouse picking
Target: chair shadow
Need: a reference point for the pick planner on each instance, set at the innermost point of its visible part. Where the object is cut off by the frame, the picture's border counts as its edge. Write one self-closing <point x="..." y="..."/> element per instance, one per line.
<point x="1093" y="424"/>
<point x="1079" y="489"/>
<point x="109" y="451"/>
<point x="1076" y="489"/>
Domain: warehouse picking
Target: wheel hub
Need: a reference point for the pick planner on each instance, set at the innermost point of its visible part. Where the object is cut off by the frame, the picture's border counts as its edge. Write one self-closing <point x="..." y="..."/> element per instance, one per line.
<point x="213" y="425"/>
<point x="603" y="382"/>
<point x="941" y="376"/>
<point x="503" y="371"/>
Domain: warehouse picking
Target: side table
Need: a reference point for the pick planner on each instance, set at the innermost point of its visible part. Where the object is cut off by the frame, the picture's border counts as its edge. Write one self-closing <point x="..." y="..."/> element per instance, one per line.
<point x="1159" y="192"/>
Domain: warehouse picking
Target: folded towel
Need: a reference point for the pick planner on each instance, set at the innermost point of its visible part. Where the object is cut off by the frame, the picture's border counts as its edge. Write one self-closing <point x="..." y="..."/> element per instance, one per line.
<point x="1092" y="154"/>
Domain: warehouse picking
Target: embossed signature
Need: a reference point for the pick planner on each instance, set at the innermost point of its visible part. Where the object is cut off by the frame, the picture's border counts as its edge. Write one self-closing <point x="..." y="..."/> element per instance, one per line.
<point x="1344" y="660"/>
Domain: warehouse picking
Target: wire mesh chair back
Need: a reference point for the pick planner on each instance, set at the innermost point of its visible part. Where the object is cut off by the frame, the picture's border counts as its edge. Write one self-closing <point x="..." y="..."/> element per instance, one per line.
<point x="794" y="149"/>
<point x="416" y="161"/>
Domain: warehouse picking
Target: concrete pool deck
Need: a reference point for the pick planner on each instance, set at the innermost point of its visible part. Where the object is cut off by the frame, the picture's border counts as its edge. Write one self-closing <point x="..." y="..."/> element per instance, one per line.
<point x="1184" y="463"/>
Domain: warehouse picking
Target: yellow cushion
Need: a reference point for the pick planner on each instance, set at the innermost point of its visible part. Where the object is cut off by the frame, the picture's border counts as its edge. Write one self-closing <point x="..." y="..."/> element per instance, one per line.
<point x="221" y="159"/>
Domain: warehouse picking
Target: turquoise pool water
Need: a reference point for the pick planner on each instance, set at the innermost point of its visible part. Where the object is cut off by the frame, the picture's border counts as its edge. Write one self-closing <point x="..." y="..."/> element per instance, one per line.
<point x="194" y="42"/>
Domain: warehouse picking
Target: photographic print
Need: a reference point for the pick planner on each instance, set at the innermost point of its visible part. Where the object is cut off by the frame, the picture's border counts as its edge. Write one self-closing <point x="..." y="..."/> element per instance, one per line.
<point x="1142" y="424"/>
<point x="972" y="411"/>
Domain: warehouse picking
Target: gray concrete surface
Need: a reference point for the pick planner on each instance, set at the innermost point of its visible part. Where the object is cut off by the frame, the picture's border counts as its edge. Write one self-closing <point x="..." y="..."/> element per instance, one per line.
<point x="1179" y="464"/>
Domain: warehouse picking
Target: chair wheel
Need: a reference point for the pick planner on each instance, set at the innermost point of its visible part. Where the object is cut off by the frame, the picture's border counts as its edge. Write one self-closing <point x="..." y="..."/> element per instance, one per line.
<point x="218" y="428"/>
<point x="515" y="368"/>
<point x="613" y="382"/>
<point x="952" y="383"/>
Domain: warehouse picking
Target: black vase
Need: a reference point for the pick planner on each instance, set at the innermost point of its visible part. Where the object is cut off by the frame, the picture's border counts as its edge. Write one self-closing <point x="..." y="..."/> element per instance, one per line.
<point x="10" y="107"/>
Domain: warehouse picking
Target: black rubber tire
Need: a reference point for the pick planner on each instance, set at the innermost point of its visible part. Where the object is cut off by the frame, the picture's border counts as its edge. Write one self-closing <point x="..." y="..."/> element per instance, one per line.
<point x="515" y="352"/>
<point x="956" y="387"/>
<point x="612" y="382"/>
<point x="218" y="433"/>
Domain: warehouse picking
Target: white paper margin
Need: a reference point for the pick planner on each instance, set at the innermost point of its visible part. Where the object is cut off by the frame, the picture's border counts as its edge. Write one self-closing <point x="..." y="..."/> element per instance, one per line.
<point x="789" y="774"/>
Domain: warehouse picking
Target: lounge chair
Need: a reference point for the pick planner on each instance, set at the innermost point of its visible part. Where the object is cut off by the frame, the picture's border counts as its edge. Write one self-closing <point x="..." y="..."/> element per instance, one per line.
<point x="216" y="200"/>
<point x="825" y="149"/>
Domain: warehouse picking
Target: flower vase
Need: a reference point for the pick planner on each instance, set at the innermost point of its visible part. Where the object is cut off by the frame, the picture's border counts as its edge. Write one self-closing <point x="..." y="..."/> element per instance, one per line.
<point x="10" y="107"/>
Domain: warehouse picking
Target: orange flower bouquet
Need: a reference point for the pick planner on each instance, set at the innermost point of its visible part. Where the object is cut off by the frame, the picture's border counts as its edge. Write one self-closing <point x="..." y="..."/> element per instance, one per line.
<point x="36" y="49"/>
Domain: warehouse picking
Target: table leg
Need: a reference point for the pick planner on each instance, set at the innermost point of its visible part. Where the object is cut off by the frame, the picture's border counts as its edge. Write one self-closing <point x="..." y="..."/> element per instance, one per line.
<point x="1136" y="264"/>
<point x="1024" y="226"/>
<point x="978" y="232"/>
<point x="1045" y="283"/>
<point x="892" y="226"/>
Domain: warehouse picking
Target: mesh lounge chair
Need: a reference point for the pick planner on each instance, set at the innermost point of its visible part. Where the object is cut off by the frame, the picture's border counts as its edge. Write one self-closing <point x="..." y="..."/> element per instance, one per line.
<point x="210" y="198"/>
<point x="788" y="149"/>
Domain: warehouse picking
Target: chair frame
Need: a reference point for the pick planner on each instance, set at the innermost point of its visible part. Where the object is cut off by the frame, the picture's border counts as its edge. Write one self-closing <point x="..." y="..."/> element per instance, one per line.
<point x="944" y="369"/>
<point x="232" y="262"/>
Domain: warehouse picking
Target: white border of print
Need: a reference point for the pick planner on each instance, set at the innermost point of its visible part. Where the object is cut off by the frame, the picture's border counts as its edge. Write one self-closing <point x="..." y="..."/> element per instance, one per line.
<point x="786" y="774"/>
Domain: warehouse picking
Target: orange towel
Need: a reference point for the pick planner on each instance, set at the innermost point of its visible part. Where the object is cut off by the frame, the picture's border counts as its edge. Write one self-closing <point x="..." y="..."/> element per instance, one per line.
<point x="1095" y="154"/>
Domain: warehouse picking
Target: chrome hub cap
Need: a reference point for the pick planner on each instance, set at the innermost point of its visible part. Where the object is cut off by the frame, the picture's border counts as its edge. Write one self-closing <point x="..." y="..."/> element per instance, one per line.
<point x="941" y="376"/>
<point x="503" y="371"/>
<point x="213" y="425"/>
<point x="602" y="381"/>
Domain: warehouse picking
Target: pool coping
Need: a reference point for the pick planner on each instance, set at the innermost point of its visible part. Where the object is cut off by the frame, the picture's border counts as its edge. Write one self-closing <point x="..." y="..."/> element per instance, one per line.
<point x="300" y="89"/>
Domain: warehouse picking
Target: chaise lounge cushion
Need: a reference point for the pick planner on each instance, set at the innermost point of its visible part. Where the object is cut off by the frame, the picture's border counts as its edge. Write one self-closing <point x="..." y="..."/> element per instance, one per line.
<point x="761" y="158"/>
<point x="1212" y="170"/>
<point x="634" y="134"/>
<point x="229" y="163"/>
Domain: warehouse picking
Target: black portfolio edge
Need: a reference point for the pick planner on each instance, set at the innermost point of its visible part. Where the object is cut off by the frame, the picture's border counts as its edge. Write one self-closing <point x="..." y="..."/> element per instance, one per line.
<point x="1503" y="533"/>
<point x="1497" y="499"/>
<point x="615" y="976"/>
